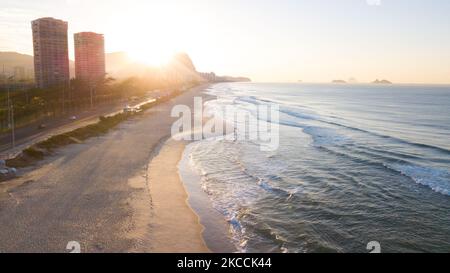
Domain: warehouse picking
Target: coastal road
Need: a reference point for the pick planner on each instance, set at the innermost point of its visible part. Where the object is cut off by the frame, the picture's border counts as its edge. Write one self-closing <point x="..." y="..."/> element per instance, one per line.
<point x="95" y="193"/>
<point x="29" y="134"/>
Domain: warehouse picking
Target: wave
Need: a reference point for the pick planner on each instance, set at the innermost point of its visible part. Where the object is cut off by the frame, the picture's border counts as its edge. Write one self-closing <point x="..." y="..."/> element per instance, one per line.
<point x="297" y="114"/>
<point x="436" y="179"/>
<point x="396" y="139"/>
<point x="287" y="195"/>
<point x="254" y="100"/>
<point x="241" y="183"/>
<point x="327" y="136"/>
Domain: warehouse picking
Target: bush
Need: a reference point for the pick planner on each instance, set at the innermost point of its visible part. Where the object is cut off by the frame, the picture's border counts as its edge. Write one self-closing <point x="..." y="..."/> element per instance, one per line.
<point x="33" y="152"/>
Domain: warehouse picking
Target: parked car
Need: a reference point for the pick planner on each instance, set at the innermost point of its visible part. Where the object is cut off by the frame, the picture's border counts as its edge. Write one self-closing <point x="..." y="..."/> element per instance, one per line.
<point x="73" y="118"/>
<point x="42" y="126"/>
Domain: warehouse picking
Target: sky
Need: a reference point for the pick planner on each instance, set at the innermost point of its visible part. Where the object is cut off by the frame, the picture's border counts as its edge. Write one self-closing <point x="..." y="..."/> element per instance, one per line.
<point x="404" y="41"/>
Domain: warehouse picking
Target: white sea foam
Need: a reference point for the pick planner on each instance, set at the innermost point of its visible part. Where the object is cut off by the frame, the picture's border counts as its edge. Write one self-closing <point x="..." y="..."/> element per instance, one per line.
<point x="270" y="200"/>
<point x="436" y="179"/>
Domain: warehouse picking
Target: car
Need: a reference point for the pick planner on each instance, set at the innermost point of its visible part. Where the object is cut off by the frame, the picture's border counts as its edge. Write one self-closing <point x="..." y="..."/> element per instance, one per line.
<point x="42" y="126"/>
<point x="128" y="109"/>
<point x="73" y="118"/>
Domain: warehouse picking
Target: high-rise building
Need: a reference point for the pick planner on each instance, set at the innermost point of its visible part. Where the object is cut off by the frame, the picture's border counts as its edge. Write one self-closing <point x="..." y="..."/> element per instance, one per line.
<point x="89" y="57"/>
<point x="209" y="77"/>
<point x="51" y="52"/>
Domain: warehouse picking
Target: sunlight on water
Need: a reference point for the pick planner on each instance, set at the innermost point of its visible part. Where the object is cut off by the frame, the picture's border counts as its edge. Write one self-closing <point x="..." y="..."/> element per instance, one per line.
<point x="356" y="163"/>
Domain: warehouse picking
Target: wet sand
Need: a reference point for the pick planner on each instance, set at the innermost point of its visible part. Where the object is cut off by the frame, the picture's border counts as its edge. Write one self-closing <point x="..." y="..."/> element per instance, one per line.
<point x="175" y="226"/>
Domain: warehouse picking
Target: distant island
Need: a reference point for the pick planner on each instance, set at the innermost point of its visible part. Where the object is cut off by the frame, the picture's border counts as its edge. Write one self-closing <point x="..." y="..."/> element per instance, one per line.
<point x="339" y="81"/>
<point x="352" y="80"/>
<point x="381" y="82"/>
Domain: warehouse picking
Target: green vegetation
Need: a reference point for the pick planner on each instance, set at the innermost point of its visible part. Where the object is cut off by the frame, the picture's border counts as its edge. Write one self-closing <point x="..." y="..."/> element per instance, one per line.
<point x="38" y="105"/>
<point x="35" y="105"/>
<point x="39" y="150"/>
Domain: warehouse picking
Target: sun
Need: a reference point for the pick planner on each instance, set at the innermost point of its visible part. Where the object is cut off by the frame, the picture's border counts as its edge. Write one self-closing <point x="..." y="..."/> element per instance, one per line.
<point x="159" y="37"/>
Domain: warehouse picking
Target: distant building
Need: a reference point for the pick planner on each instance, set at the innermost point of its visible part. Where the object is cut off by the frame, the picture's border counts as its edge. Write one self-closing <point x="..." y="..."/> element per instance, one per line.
<point x="51" y="53"/>
<point x="212" y="77"/>
<point x="89" y="56"/>
<point x="209" y="77"/>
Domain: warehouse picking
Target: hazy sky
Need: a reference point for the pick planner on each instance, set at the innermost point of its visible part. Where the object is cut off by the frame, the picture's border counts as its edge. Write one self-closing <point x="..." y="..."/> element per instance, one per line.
<point x="279" y="40"/>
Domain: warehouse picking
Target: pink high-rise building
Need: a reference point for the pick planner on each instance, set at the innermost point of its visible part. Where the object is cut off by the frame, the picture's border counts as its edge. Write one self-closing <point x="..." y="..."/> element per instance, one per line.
<point x="51" y="52"/>
<point x="89" y="57"/>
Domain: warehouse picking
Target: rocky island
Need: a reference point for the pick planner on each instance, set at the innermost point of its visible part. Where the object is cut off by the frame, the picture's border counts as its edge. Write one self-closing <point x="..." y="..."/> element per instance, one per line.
<point x="381" y="82"/>
<point x="339" y="81"/>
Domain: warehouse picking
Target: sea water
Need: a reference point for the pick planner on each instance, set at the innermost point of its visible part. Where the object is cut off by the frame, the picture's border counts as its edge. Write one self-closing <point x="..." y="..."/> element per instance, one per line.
<point x="355" y="164"/>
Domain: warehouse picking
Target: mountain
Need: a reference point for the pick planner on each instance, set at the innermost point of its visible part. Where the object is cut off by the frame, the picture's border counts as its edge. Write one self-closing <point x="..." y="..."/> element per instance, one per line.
<point x="119" y="65"/>
<point x="116" y="63"/>
<point x="381" y="82"/>
<point x="10" y="60"/>
<point x="183" y="61"/>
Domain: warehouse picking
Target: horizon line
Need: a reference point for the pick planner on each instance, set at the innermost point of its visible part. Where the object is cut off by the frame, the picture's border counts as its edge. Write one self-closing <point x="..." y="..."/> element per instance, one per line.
<point x="271" y="82"/>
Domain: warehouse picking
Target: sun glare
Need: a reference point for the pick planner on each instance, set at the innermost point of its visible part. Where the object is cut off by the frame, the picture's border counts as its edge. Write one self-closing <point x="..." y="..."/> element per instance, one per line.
<point x="150" y="55"/>
<point x="159" y="42"/>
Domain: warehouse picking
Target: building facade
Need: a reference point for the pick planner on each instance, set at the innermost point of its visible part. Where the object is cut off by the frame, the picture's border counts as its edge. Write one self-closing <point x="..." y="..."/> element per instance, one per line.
<point x="89" y="57"/>
<point x="51" y="52"/>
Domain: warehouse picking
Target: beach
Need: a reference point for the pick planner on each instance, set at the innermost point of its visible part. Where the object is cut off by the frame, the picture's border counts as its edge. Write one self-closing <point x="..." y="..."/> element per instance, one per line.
<point x="175" y="226"/>
<point x="137" y="189"/>
<point x="120" y="192"/>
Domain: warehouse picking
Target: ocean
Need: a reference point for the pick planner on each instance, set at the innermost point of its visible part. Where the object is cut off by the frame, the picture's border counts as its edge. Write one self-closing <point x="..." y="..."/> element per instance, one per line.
<point x="355" y="164"/>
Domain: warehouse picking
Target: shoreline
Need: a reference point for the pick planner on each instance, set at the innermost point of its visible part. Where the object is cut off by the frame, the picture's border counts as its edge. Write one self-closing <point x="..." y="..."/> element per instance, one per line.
<point x="177" y="196"/>
<point x="175" y="225"/>
<point x="216" y="228"/>
<point x="99" y="193"/>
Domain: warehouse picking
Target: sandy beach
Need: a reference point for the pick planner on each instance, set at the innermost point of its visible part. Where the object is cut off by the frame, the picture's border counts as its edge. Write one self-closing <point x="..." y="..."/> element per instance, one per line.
<point x="126" y="198"/>
<point x="175" y="226"/>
